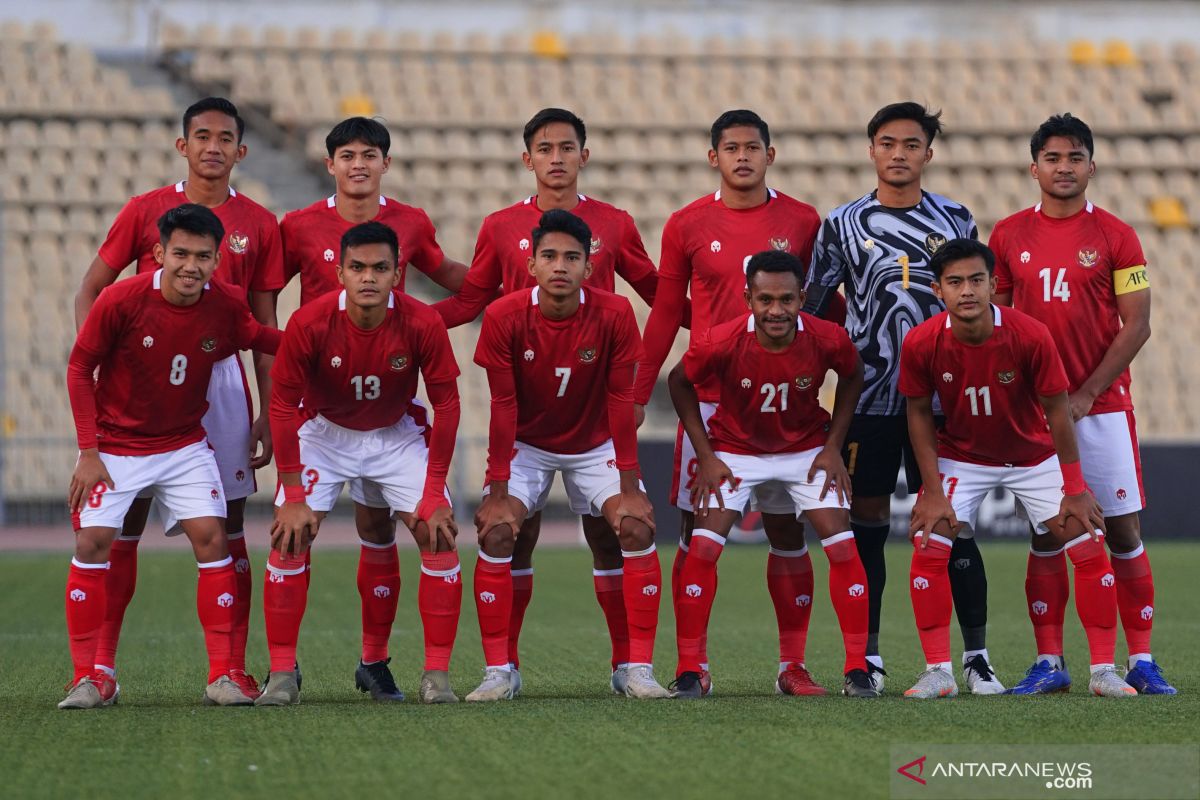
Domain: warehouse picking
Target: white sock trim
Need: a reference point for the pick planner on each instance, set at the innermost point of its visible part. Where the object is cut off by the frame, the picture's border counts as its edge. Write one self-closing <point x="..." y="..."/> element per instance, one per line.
<point x="516" y="573"/>
<point x="274" y="570"/>
<point x="121" y="538"/>
<point x="235" y="535"/>
<point x="81" y="565"/>
<point x="493" y="560"/>
<point x="441" y="573"/>
<point x="1077" y="540"/>
<point x="602" y="573"/>
<point x="1045" y="553"/>
<point x="683" y="545"/>
<point x="790" y="553"/>
<point x="937" y="537"/>
<point x="1134" y="658"/>
<point x="1134" y="553"/>
<point x="377" y="545"/>
<point x="215" y="564"/>
<point x="836" y="538"/>
<point x="942" y="665"/>
<point x="637" y="553"/>
<point x="877" y="660"/>
<point x="1102" y="668"/>
<point x="505" y="667"/>
<point x="704" y="533"/>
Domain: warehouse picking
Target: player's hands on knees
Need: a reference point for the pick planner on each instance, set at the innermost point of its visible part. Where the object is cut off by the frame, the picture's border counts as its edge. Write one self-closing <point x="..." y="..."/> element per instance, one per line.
<point x="837" y="477"/>
<point x="294" y="528"/>
<point x="495" y="511"/>
<point x="930" y="510"/>
<point x="711" y="473"/>
<point x="89" y="473"/>
<point x="1084" y="508"/>
<point x="260" y="434"/>
<point x="634" y="505"/>
<point x="442" y="528"/>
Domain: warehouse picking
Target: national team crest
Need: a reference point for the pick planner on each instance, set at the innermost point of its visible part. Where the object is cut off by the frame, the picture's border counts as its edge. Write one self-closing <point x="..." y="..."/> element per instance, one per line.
<point x="934" y="242"/>
<point x="780" y="243"/>
<point x="586" y="355"/>
<point x="1006" y="375"/>
<point x="238" y="242"/>
<point x="1088" y="258"/>
<point x="208" y="344"/>
<point x="596" y="245"/>
<point x="803" y="382"/>
<point x="398" y="362"/>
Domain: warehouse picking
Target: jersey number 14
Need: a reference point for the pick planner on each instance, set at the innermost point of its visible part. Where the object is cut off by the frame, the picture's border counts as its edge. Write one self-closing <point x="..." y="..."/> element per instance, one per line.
<point x="1056" y="287"/>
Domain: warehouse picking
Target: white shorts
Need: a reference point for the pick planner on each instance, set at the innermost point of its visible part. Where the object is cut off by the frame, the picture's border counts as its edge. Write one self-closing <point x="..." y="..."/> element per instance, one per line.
<point x="1111" y="461"/>
<point x="590" y="478"/>
<point x="1038" y="489"/>
<point x="185" y="481"/>
<point x="770" y="497"/>
<point x="393" y="460"/>
<point x="227" y="424"/>
<point x="789" y="471"/>
<point x="368" y="493"/>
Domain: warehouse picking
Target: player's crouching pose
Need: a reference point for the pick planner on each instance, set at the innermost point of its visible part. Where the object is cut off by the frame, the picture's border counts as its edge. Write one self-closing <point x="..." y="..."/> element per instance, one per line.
<point x="155" y="339"/>
<point x="353" y="358"/>
<point x="769" y="366"/>
<point x="1002" y="384"/>
<point x="560" y="361"/>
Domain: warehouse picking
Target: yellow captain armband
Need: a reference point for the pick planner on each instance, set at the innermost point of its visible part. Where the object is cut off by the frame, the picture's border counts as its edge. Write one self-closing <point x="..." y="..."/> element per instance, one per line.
<point x="1131" y="279"/>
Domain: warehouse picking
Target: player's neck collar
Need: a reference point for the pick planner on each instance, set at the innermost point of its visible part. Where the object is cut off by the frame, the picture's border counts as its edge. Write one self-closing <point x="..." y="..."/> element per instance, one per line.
<point x="996" y="317"/>
<point x="181" y="187"/>
<point x="158" y="281"/>
<point x="331" y="201"/>
<point x="799" y="323"/>
<point x="771" y="195"/>
<point x="533" y="295"/>
<point x="1089" y="207"/>
<point x="342" y="300"/>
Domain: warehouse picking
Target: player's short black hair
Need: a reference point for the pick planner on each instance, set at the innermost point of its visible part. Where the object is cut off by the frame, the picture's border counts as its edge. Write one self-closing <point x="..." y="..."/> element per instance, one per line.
<point x="739" y="118"/>
<point x="958" y="250"/>
<point x="930" y="121"/>
<point x="774" y="261"/>
<point x="193" y="218"/>
<point x="370" y="233"/>
<point x="550" y="115"/>
<point x="556" y="220"/>
<point x="371" y="132"/>
<point x="219" y="104"/>
<point x="1066" y="125"/>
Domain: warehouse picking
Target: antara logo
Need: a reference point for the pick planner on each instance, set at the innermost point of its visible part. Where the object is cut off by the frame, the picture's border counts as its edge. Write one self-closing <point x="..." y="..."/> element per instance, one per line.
<point x="912" y="774"/>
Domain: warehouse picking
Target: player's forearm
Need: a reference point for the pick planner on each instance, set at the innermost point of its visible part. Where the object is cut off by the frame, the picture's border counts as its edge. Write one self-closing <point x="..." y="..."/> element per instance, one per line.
<point x="467" y="303"/>
<point x="450" y="275"/>
<point x="502" y="427"/>
<point x="687" y="407"/>
<point x="1062" y="430"/>
<point x="81" y="389"/>
<point x="262" y="377"/>
<point x="285" y="419"/>
<point x="661" y="328"/>
<point x="85" y="298"/>
<point x="817" y="299"/>
<point x="622" y="425"/>
<point x="446" y="414"/>
<point x="630" y="482"/>
<point x="923" y="435"/>
<point x="1125" y="346"/>
<point x="845" y="399"/>
<point x="645" y="286"/>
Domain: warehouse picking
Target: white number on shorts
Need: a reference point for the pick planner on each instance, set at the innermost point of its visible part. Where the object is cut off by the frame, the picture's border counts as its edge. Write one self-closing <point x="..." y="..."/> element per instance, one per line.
<point x="771" y="393"/>
<point x="564" y="373"/>
<point x="1059" y="288"/>
<point x="978" y="396"/>
<point x="365" y="388"/>
<point x="178" y="370"/>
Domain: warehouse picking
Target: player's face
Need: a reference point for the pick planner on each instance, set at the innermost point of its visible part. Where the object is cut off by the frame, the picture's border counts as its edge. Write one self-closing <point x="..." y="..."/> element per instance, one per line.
<point x="1063" y="168"/>
<point x="368" y="271"/>
<point x="900" y="152"/>
<point x="775" y="299"/>
<point x="742" y="157"/>
<point x="555" y="157"/>
<point x="211" y="147"/>
<point x="188" y="261"/>
<point x="560" y="264"/>
<point x="966" y="288"/>
<point x="358" y="169"/>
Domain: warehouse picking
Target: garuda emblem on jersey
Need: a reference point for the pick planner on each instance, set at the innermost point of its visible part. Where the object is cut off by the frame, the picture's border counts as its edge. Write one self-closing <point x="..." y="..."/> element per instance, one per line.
<point x="586" y="355"/>
<point x="1088" y="258"/>
<point x="1006" y="375"/>
<point x="208" y="344"/>
<point x="780" y="243"/>
<point x="238" y="242"/>
<point x="398" y="362"/>
<point x="803" y="382"/>
<point x="934" y="242"/>
<point x="596" y="245"/>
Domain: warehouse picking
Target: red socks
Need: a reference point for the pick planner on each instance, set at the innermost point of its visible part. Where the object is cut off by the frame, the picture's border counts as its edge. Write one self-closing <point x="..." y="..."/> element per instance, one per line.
<point x="522" y="593"/>
<point x="242" y="600"/>
<point x="215" y="596"/>
<point x="119" y="585"/>
<point x="677" y="588"/>
<point x="1046" y="590"/>
<point x="929" y="586"/>
<point x="848" y="592"/>
<point x="790" y="582"/>
<point x="285" y="595"/>
<point x="695" y="589"/>
<point x="379" y="590"/>
<point x="641" y="585"/>
<point x="86" y="601"/>
<point x="609" y="585"/>
<point x="439" y="599"/>
<point x="1135" y="598"/>
<point x="1095" y="596"/>
<point x="493" y="602"/>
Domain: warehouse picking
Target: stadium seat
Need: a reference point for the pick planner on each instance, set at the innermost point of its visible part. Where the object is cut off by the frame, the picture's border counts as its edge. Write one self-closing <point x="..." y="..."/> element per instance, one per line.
<point x="1168" y="212"/>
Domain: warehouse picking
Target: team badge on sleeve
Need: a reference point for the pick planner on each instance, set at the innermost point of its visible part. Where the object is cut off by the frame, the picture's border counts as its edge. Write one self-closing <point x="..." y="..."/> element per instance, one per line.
<point x="1006" y="375"/>
<point x="803" y="382"/>
<point x="238" y="242"/>
<point x="398" y="362"/>
<point x="1088" y="258"/>
<point x="586" y="355"/>
<point x="208" y="344"/>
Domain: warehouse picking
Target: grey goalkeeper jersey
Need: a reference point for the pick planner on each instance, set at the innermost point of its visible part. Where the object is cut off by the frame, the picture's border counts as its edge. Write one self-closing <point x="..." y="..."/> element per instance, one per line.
<point x="882" y="255"/>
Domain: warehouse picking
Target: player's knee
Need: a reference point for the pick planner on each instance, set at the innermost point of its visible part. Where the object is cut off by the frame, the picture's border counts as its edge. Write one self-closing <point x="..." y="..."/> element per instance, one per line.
<point x="91" y="547"/>
<point x="871" y="509"/>
<point x="635" y="535"/>
<point x="207" y="535"/>
<point x="1123" y="533"/>
<point x="499" y="542"/>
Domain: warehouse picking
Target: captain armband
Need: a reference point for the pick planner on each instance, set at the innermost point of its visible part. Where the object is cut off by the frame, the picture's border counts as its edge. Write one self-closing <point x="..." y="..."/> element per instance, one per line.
<point x="1131" y="279"/>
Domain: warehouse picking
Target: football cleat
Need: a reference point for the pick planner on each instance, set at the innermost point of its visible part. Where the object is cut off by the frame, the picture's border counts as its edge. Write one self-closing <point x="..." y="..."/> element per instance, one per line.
<point x="281" y="689"/>
<point x="1106" y="682"/>
<point x="435" y="687"/>
<point x="92" y="691"/>
<point x="859" y="684"/>
<point x="497" y="685"/>
<point x="979" y="676"/>
<point x="514" y="678"/>
<point x="377" y="679"/>
<point x="932" y="683"/>
<point x="686" y="687"/>
<point x="1043" y="678"/>
<point x="641" y="684"/>
<point x="224" y="691"/>
<point x="619" y="679"/>
<point x="245" y="682"/>
<point x="798" y="681"/>
<point x="1147" y="678"/>
<point x="876" y="673"/>
<point x="299" y="677"/>
<point x="706" y="682"/>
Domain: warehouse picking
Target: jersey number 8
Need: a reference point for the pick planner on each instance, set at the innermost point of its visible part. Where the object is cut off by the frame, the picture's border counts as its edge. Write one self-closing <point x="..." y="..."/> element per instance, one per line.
<point x="178" y="370"/>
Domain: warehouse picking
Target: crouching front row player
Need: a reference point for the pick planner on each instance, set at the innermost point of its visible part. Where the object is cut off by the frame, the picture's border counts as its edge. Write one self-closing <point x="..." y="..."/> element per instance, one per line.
<point x="155" y="339"/>
<point x="768" y="427"/>
<point x="353" y="358"/>
<point x="1001" y="384"/>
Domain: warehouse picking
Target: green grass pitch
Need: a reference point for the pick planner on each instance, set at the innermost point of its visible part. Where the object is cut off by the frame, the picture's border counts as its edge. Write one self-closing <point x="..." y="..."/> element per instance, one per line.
<point x="566" y="736"/>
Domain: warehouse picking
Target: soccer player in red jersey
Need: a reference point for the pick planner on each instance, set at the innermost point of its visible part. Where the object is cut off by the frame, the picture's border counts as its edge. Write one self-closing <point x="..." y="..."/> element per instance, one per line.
<point x="555" y="153"/>
<point x="343" y="409"/>
<point x="156" y="339"/>
<point x="251" y="261"/>
<point x="705" y="248"/>
<point x="560" y="360"/>
<point x="1002" y="385"/>
<point x="767" y="367"/>
<point x="1081" y="271"/>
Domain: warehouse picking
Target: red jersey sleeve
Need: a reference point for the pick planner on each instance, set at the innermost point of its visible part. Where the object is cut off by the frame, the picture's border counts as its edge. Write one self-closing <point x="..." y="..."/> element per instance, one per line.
<point x="446" y="412"/>
<point x="1127" y="250"/>
<point x="494" y="353"/>
<point x="698" y="362"/>
<point x="438" y="364"/>
<point x="253" y="335"/>
<point x="622" y="425"/>
<point x="914" y="367"/>
<point x="480" y="285"/>
<point x="119" y="249"/>
<point x="1045" y="364"/>
<point x="675" y="272"/>
<point x="633" y="262"/>
<point x="97" y="336"/>
<point x="1004" y="281"/>
<point x="288" y="378"/>
<point x="268" y="269"/>
<point x="428" y="255"/>
<point x="627" y="342"/>
<point x="289" y="249"/>
<point x="494" y="350"/>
